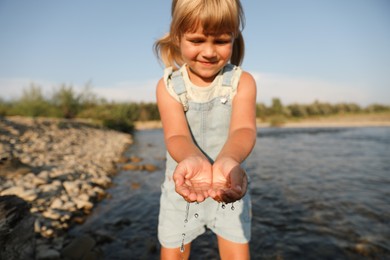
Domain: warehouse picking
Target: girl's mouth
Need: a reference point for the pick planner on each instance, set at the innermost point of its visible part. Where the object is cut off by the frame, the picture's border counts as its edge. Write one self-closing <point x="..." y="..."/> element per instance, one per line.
<point x="208" y="63"/>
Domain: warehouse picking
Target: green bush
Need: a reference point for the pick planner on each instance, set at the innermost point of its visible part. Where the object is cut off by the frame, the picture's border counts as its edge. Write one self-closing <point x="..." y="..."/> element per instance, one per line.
<point x="377" y="108"/>
<point x="31" y="104"/>
<point x="66" y="101"/>
<point x="261" y="111"/>
<point x="119" y="117"/>
<point x="4" y="107"/>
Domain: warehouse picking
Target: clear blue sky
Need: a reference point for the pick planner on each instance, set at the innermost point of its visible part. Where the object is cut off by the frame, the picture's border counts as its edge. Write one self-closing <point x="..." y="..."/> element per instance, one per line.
<point x="299" y="51"/>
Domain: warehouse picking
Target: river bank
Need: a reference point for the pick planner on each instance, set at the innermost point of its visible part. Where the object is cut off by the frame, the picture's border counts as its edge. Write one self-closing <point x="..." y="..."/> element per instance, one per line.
<point x="358" y="120"/>
<point x="61" y="168"/>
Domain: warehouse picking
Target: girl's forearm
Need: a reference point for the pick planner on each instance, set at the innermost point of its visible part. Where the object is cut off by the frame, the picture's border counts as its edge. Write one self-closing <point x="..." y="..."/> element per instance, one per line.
<point x="239" y="144"/>
<point x="181" y="147"/>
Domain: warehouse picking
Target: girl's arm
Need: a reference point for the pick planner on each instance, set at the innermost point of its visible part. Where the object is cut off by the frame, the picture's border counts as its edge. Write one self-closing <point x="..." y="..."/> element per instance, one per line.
<point x="229" y="179"/>
<point x="176" y="132"/>
<point x="193" y="172"/>
<point x="242" y="131"/>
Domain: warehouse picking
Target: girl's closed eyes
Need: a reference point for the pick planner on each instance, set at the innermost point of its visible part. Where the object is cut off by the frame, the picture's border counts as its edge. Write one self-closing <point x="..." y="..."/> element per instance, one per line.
<point x="219" y="40"/>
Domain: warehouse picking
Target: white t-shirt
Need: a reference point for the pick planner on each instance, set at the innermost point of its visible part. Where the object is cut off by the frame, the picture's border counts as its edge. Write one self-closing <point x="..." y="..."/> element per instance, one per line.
<point x="203" y="94"/>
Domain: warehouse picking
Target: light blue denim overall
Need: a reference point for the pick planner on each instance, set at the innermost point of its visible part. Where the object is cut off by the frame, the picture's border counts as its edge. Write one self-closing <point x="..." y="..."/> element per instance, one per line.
<point x="209" y="125"/>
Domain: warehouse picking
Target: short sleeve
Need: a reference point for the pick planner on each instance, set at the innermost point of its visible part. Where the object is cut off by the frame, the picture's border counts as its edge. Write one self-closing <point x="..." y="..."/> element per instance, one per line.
<point x="235" y="80"/>
<point x="167" y="80"/>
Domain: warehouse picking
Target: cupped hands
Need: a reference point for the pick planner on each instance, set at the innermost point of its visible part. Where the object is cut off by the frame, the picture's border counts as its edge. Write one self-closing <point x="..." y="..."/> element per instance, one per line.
<point x="197" y="179"/>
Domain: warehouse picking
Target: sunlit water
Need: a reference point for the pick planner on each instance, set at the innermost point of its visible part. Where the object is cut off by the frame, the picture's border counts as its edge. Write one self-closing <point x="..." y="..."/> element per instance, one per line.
<point x="317" y="193"/>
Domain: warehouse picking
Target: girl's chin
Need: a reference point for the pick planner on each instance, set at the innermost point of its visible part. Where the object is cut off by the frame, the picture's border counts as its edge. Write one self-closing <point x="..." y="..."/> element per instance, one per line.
<point x="207" y="77"/>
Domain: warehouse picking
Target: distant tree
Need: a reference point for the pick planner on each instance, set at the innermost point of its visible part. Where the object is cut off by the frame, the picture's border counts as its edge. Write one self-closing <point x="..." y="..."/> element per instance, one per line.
<point x="353" y="108"/>
<point x="276" y="107"/>
<point x="148" y="111"/>
<point x="374" y="108"/>
<point x="67" y="101"/>
<point x="87" y="98"/>
<point x="32" y="103"/>
<point x="4" y="107"/>
<point x="119" y="116"/>
<point x="261" y="111"/>
<point x="325" y="109"/>
<point x="297" y="110"/>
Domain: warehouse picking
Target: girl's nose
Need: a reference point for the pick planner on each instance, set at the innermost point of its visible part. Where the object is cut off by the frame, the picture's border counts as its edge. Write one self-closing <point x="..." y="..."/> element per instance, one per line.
<point x="209" y="50"/>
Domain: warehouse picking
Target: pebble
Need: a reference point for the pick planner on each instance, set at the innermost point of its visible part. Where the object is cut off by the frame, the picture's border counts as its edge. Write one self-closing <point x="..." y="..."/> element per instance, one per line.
<point x="62" y="169"/>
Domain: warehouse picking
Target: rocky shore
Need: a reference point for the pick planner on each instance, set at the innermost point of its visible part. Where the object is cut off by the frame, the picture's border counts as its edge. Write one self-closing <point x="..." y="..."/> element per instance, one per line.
<point x="59" y="169"/>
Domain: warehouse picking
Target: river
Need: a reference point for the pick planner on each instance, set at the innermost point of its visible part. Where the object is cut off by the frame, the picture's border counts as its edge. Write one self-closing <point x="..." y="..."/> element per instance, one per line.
<point x="317" y="193"/>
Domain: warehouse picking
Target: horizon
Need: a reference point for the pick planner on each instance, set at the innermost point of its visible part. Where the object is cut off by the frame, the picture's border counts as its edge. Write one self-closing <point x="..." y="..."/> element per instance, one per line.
<point x="48" y="95"/>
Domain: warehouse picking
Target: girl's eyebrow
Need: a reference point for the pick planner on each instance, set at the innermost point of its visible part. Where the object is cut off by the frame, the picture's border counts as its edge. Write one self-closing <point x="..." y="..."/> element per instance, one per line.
<point x="195" y="36"/>
<point x="201" y="35"/>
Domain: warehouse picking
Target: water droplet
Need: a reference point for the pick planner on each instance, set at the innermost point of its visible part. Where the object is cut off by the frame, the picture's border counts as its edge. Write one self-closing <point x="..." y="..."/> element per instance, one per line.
<point x="182" y="243"/>
<point x="196" y="215"/>
<point x="223" y="205"/>
<point x="187" y="211"/>
<point x="232" y="207"/>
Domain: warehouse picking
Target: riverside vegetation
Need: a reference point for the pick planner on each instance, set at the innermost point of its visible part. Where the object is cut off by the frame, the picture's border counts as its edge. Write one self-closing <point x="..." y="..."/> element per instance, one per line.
<point x="65" y="102"/>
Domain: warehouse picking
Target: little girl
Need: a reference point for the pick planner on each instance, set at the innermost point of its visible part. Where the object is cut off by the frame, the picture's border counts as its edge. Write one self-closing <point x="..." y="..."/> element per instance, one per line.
<point x="207" y="108"/>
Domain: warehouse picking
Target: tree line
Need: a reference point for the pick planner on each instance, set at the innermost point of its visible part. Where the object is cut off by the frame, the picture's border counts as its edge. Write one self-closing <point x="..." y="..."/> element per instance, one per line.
<point x="65" y="102"/>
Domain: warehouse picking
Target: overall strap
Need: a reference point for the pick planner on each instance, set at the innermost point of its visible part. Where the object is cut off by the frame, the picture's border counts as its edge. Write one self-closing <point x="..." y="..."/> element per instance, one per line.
<point x="179" y="87"/>
<point x="228" y="73"/>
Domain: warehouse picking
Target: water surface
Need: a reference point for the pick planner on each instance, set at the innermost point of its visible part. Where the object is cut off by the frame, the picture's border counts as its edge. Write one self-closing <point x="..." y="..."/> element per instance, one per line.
<point x="317" y="193"/>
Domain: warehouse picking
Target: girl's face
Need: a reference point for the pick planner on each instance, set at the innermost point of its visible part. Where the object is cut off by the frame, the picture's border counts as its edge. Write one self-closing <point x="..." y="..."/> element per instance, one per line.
<point x="205" y="55"/>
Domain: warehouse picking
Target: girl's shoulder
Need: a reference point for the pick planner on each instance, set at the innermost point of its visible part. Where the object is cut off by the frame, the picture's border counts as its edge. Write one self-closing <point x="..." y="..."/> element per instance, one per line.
<point x="166" y="81"/>
<point x="247" y="77"/>
<point x="247" y="85"/>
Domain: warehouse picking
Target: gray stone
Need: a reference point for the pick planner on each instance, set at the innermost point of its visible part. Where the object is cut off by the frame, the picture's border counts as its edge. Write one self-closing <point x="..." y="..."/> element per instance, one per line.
<point x="79" y="247"/>
<point x="48" y="254"/>
<point x="17" y="239"/>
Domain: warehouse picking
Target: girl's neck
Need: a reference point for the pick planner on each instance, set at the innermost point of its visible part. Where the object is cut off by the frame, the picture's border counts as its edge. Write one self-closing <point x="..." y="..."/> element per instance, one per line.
<point x="199" y="81"/>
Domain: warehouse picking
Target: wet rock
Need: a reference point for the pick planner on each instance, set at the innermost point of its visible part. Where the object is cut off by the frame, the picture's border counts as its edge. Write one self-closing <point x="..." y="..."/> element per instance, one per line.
<point x="118" y="223"/>
<point x="123" y="159"/>
<point x="27" y="195"/>
<point x="79" y="247"/>
<point x="48" y="254"/>
<point x="122" y="222"/>
<point x="17" y="240"/>
<point x="149" y="167"/>
<point x="152" y="246"/>
<point x="131" y="167"/>
<point x="79" y="219"/>
<point x="94" y="255"/>
<point x="135" y="159"/>
<point x="12" y="165"/>
<point x="82" y="204"/>
<point x="57" y="203"/>
<point x="51" y="214"/>
<point x="364" y="249"/>
<point x="102" y="237"/>
<point x="135" y="185"/>
<point x="102" y="181"/>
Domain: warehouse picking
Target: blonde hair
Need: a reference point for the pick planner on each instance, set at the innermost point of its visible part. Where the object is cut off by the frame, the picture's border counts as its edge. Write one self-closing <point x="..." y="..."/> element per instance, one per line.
<point x="215" y="16"/>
